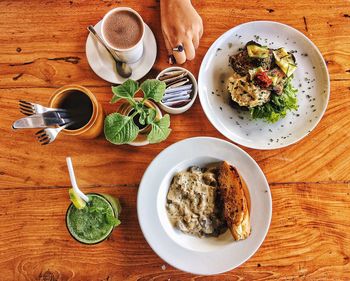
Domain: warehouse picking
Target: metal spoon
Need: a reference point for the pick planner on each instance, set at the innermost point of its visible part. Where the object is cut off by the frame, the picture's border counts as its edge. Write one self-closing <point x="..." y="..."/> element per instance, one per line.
<point x="123" y="69"/>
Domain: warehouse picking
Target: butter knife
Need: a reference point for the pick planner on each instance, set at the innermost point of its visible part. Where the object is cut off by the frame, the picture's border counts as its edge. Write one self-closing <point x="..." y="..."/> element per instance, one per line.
<point x="47" y="119"/>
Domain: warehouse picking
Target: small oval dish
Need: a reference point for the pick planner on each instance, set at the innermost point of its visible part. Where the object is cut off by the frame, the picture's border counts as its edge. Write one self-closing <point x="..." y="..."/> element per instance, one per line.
<point x="181" y="89"/>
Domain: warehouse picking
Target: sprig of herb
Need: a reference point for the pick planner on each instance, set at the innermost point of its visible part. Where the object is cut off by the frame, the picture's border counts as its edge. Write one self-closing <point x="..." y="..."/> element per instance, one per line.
<point x="121" y="129"/>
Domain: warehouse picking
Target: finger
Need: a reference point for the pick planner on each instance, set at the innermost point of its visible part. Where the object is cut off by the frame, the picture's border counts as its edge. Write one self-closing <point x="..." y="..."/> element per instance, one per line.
<point x="167" y="45"/>
<point x="200" y="33"/>
<point x="189" y="49"/>
<point x="180" y="57"/>
<point x="169" y="50"/>
<point x="195" y="41"/>
<point x="201" y="30"/>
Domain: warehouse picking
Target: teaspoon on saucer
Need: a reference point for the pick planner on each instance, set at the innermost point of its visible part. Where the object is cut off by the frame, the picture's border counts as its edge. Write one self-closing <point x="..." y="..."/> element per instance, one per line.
<point x="123" y="69"/>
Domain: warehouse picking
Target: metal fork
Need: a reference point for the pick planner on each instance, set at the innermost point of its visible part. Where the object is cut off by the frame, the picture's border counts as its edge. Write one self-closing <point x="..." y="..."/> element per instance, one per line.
<point x="29" y="108"/>
<point x="48" y="135"/>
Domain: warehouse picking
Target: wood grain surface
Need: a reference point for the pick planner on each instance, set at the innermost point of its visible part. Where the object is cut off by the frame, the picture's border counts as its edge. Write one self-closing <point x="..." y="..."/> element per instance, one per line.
<point x="42" y="47"/>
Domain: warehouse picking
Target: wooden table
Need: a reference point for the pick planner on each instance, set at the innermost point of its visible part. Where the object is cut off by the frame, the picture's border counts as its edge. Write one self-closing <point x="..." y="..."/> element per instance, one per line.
<point x="42" y="47"/>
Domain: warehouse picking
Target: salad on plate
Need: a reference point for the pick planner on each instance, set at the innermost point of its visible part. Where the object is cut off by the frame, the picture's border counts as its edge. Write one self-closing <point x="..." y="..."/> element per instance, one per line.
<point x="262" y="81"/>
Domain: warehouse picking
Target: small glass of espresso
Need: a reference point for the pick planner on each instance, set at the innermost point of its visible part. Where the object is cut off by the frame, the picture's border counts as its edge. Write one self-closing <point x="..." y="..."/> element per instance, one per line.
<point x="86" y="112"/>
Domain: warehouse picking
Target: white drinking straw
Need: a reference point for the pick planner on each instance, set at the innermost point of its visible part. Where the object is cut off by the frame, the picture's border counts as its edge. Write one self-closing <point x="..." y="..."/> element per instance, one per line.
<point x="73" y="180"/>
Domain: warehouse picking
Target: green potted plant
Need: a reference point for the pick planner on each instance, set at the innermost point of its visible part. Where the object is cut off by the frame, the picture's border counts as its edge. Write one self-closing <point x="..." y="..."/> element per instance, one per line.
<point x="138" y="120"/>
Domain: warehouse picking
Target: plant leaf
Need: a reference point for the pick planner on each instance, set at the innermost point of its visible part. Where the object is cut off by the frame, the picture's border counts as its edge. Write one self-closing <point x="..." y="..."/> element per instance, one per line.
<point x="120" y="129"/>
<point x="142" y="118"/>
<point x="139" y="107"/>
<point x="114" y="98"/>
<point x="151" y="115"/>
<point x="153" y="89"/>
<point x="112" y="220"/>
<point x="127" y="90"/>
<point x="160" y="130"/>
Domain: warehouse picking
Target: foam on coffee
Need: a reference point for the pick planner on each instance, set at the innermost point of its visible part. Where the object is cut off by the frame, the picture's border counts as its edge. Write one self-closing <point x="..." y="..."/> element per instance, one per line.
<point x="122" y="29"/>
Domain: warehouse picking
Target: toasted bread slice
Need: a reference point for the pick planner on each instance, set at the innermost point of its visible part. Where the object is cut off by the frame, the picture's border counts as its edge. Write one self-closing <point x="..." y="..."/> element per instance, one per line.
<point x="236" y="209"/>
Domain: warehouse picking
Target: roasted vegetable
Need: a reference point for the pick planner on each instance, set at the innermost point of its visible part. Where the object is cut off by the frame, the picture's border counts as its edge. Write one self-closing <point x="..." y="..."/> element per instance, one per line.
<point x="285" y="61"/>
<point x="263" y="80"/>
<point x="255" y="51"/>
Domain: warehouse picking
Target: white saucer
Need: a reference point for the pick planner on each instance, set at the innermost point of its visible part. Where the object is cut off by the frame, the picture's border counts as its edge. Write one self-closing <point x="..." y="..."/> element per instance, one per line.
<point x="103" y="65"/>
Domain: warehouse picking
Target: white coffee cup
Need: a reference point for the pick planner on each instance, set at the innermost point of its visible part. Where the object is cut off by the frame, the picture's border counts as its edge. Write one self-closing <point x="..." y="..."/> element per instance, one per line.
<point x="130" y="54"/>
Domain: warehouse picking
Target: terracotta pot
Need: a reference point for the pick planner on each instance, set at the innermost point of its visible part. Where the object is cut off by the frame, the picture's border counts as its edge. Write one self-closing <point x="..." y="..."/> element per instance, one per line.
<point x="94" y="127"/>
<point x="125" y="109"/>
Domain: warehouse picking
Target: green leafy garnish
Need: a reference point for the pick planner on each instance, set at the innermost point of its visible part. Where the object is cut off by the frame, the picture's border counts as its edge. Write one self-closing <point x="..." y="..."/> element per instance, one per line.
<point x="127" y="90"/>
<point x="278" y="106"/>
<point x="152" y="113"/>
<point x="153" y="89"/>
<point x="120" y="129"/>
<point x="112" y="220"/>
<point x="160" y="130"/>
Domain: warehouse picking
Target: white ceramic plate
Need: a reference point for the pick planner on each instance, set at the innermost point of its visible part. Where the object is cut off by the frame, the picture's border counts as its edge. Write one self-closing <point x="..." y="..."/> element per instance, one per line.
<point x="200" y="255"/>
<point x="311" y="78"/>
<point x="103" y="65"/>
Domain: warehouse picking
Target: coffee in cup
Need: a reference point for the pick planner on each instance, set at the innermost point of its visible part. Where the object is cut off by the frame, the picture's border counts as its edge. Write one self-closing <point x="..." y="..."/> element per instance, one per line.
<point x="123" y="30"/>
<point x="84" y="109"/>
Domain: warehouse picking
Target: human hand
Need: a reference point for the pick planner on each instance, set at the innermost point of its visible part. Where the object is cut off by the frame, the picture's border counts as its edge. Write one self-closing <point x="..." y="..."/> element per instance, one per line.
<point x="181" y="26"/>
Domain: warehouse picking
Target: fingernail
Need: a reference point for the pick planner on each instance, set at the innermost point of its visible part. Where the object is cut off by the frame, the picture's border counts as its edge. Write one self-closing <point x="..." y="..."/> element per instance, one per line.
<point x="171" y="59"/>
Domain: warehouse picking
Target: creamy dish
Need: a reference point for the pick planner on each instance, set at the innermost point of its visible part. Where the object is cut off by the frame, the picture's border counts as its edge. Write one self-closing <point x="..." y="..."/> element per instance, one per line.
<point x="194" y="204"/>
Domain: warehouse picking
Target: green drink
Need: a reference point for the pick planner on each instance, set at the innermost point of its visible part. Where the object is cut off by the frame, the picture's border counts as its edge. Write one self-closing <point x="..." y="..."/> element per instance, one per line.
<point x="96" y="221"/>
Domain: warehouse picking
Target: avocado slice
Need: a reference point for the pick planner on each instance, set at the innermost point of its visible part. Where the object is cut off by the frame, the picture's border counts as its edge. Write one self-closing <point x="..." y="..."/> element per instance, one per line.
<point x="255" y="51"/>
<point x="285" y="61"/>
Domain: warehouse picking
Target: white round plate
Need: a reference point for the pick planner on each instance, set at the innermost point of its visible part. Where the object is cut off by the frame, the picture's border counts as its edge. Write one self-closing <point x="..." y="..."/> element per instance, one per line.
<point x="311" y="79"/>
<point x="103" y="65"/>
<point x="188" y="253"/>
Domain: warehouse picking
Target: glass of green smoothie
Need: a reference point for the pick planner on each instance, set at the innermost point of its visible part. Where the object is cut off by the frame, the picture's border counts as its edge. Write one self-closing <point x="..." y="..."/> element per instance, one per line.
<point x="93" y="222"/>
